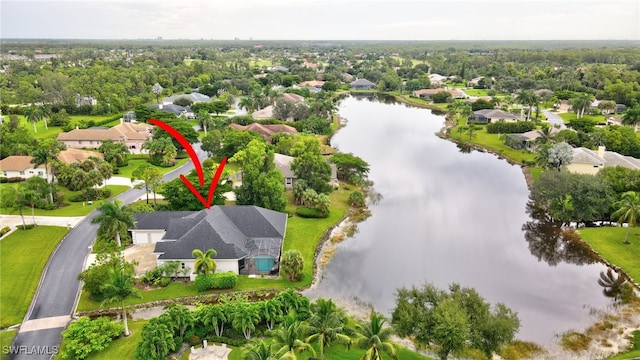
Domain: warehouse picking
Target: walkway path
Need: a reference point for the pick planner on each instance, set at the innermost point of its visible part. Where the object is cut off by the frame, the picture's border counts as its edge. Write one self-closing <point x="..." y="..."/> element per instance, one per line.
<point x="57" y="295"/>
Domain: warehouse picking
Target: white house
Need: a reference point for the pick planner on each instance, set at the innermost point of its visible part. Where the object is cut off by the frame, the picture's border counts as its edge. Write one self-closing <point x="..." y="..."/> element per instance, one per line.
<point x="247" y="239"/>
<point x="21" y="166"/>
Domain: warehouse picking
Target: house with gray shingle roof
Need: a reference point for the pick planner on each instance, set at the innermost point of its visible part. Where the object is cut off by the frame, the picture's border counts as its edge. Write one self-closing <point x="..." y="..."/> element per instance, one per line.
<point x="488" y="116"/>
<point x="362" y="84"/>
<point x="247" y="239"/>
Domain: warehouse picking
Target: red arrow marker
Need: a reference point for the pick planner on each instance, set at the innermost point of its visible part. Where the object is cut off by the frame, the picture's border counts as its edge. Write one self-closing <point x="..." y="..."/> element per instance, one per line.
<point x="196" y="163"/>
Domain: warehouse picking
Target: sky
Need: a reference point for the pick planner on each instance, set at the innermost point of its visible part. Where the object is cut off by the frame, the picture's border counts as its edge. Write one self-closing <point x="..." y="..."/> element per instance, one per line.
<point x="322" y="19"/>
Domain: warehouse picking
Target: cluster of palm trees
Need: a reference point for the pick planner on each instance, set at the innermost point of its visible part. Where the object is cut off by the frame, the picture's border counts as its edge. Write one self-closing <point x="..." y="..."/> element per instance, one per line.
<point x="36" y="113"/>
<point x="320" y="105"/>
<point x="325" y="325"/>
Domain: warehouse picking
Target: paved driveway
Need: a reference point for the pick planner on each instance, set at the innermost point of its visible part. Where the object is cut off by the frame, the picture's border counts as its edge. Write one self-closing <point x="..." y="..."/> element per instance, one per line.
<point x="56" y="297"/>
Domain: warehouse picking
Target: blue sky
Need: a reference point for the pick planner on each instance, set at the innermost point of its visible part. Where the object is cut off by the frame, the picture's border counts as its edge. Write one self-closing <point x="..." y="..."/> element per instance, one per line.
<point x="322" y="19"/>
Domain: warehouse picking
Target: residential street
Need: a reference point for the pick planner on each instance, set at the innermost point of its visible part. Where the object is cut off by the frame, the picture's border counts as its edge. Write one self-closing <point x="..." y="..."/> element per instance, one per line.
<point x="56" y="297"/>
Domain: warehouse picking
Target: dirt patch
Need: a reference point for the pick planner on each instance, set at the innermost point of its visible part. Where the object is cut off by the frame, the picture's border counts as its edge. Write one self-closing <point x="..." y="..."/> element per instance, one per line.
<point x="143" y="255"/>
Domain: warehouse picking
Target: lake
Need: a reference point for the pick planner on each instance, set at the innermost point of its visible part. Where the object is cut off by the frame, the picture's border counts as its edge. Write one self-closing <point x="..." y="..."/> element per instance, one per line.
<point x="447" y="216"/>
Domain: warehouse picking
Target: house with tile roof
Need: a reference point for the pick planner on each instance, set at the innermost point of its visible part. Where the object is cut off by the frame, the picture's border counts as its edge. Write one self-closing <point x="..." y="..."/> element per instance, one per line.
<point x="266" y="130"/>
<point x="248" y="239"/>
<point x="131" y="134"/>
<point x="70" y="156"/>
<point x="21" y="166"/>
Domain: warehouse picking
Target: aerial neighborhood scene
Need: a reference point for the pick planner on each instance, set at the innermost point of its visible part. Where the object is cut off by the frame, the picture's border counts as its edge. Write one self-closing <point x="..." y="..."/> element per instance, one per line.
<point x="395" y="180"/>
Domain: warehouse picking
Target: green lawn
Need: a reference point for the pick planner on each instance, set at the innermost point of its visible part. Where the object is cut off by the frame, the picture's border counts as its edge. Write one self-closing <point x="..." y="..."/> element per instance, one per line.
<point x="72" y="208"/>
<point x="566" y="117"/>
<point x="634" y="352"/>
<point x="494" y="142"/>
<point x="53" y="131"/>
<point x="608" y="242"/>
<point x="23" y="255"/>
<point x="6" y="339"/>
<point x="126" y="171"/>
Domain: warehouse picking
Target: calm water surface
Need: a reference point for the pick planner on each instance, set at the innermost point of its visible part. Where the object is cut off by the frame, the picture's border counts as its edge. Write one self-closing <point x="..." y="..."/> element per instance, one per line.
<point x="448" y="216"/>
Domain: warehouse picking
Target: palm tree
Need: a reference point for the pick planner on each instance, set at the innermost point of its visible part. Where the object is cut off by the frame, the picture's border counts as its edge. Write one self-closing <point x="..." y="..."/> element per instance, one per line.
<point x="115" y="219"/>
<point x="527" y="98"/>
<point x="180" y="319"/>
<point x="374" y="336"/>
<point x="580" y="104"/>
<point x="118" y="289"/>
<point x="632" y="117"/>
<point x="16" y="198"/>
<point x="260" y="350"/>
<point x="628" y="211"/>
<point x="248" y="104"/>
<point x="546" y="137"/>
<point x="288" y="337"/>
<point x="33" y="115"/>
<point x="204" y="119"/>
<point x="46" y="153"/>
<point x="245" y="318"/>
<point x="327" y="324"/>
<point x="157" y="90"/>
<point x="204" y="263"/>
<point x="216" y="317"/>
<point x="46" y="114"/>
<point x="271" y="311"/>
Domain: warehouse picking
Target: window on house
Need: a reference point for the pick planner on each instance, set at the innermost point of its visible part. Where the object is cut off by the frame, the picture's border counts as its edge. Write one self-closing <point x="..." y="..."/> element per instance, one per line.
<point x="80" y="142"/>
<point x="30" y="171"/>
<point x="21" y="172"/>
<point x="182" y="266"/>
<point x="288" y="181"/>
<point x="40" y="173"/>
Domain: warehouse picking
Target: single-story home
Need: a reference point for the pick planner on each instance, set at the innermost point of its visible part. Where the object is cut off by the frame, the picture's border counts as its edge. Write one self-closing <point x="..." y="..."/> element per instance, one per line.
<point x="526" y="140"/>
<point x="132" y="135"/>
<point x="85" y="100"/>
<point x="283" y="163"/>
<point x="177" y="110"/>
<point x="264" y="113"/>
<point x="71" y="155"/>
<point x="428" y="93"/>
<point x="313" y="83"/>
<point x="266" y="130"/>
<point x="362" y="84"/>
<point x="587" y="161"/>
<point x="248" y="239"/>
<point x="488" y="116"/>
<point x="292" y="97"/>
<point x="279" y="68"/>
<point x="194" y="97"/>
<point x="21" y="166"/>
<point x="437" y="79"/>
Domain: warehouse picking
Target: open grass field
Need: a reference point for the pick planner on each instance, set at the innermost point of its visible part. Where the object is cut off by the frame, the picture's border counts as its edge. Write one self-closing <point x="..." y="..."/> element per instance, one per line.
<point x="127" y="171"/>
<point x="566" y="117"/>
<point x="23" y="255"/>
<point x="72" y="208"/>
<point x="608" y="242"/>
<point x="53" y="131"/>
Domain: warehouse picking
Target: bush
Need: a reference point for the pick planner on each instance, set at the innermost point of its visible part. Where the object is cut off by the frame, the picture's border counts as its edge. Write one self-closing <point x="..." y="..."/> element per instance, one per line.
<point x="86" y="336"/>
<point x="503" y="127"/>
<point x="357" y="199"/>
<point x="4" y="230"/>
<point x="194" y="340"/>
<point x="91" y="194"/>
<point x="310" y="213"/>
<point x="203" y="282"/>
<point x="225" y="280"/>
<point x="3" y="180"/>
<point x="225" y="340"/>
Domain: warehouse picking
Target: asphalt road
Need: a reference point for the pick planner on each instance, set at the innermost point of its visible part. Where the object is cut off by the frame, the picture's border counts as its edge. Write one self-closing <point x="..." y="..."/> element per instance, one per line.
<point x="59" y="287"/>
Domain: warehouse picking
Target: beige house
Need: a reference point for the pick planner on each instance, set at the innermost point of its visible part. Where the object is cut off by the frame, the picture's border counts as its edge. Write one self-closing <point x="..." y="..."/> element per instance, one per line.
<point x="21" y="166"/>
<point x="70" y="156"/>
<point x="266" y="130"/>
<point x="132" y="135"/>
<point x="587" y="161"/>
<point x="489" y="116"/>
